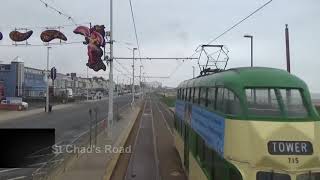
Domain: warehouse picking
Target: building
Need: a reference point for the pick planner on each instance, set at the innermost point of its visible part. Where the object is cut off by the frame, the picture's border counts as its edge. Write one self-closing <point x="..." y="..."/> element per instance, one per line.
<point x="12" y="76"/>
<point x="16" y="80"/>
<point x="34" y="82"/>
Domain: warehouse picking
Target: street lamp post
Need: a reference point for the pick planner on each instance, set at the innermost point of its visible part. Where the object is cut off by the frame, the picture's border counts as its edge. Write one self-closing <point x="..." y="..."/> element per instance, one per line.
<point x="47" y="74"/>
<point x="251" y="38"/>
<point x="133" y="75"/>
<point x="110" y="108"/>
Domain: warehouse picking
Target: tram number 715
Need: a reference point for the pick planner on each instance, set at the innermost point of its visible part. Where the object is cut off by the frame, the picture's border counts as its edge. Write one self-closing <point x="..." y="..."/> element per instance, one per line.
<point x="293" y="160"/>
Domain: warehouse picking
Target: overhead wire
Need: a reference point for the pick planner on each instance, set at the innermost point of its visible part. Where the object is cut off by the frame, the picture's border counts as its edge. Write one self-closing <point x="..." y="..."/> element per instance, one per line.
<point x="60" y="12"/>
<point x="41" y="45"/>
<point x="135" y="30"/>
<point x="123" y="67"/>
<point x="239" y="22"/>
<point x="229" y="29"/>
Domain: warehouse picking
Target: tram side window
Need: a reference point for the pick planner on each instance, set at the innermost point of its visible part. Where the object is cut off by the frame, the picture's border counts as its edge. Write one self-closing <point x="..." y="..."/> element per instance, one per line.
<point x="231" y="103"/>
<point x="211" y="98"/>
<point x="196" y="96"/>
<point x="190" y="94"/>
<point x="182" y="94"/>
<point x="193" y="93"/>
<point x="220" y="94"/>
<point x="203" y="97"/>
<point x="186" y="94"/>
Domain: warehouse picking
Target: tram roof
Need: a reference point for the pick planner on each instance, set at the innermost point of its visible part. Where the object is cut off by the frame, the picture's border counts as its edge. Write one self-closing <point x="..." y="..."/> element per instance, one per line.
<point x="237" y="78"/>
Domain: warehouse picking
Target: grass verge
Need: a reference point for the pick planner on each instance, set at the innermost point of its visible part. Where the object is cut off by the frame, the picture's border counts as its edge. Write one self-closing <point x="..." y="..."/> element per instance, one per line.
<point x="169" y="100"/>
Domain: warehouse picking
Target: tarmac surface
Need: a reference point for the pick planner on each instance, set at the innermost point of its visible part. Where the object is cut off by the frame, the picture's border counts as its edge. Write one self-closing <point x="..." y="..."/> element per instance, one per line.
<point x="71" y="122"/>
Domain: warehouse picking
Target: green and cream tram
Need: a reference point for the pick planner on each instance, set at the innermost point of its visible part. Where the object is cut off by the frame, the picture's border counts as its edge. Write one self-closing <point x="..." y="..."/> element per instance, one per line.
<point x="247" y="124"/>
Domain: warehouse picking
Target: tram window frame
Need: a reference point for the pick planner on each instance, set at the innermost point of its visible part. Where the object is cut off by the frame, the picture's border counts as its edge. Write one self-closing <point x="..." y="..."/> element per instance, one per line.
<point x="290" y="95"/>
<point x="200" y="149"/>
<point x="311" y="175"/>
<point x="193" y="92"/>
<point x="203" y="96"/>
<point x="182" y="94"/>
<point x="208" y="161"/>
<point x="212" y="101"/>
<point x="186" y="95"/>
<point x="220" y="99"/>
<point x="264" y="175"/>
<point x="182" y="130"/>
<point x="190" y="95"/>
<point x="196" y="96"/>
<point x="231" y="98"/>
<point x="234" y="173"/>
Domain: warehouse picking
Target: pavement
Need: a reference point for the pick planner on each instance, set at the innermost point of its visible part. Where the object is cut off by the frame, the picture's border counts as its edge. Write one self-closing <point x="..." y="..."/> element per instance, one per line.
<point x="71" y="122"/>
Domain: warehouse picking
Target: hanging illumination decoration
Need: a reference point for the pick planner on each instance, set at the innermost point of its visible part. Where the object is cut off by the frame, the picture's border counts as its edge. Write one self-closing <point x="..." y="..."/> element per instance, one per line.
<point x="17" y="36"/>
<point x="94" y="38"/>
<point x="49" y="35"/>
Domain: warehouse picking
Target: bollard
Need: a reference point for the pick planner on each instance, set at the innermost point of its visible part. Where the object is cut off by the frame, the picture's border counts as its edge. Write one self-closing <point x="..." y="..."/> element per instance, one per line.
<point x="90" y="124"/>
<point x="96" y="126"/>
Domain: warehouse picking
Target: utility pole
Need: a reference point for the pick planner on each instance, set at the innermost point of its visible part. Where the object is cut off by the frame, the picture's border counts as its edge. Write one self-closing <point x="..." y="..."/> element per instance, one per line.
<point x="287" y="49"/>
<point x="133" y="75"/>
<point x="47" y="74"/>
<point x="110" y="113"/>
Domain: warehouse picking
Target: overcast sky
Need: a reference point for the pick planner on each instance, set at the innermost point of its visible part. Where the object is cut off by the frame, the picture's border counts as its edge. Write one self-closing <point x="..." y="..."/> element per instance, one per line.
<point x="172" y="28"/>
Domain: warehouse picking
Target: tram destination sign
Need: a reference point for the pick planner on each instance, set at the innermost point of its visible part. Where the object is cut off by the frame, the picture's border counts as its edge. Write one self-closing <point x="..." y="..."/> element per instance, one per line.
<point x="290" y="148"/>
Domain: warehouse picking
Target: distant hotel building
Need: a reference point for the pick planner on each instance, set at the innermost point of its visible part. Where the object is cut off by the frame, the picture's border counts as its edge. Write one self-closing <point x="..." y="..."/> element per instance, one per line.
<point x="16" y="80"/>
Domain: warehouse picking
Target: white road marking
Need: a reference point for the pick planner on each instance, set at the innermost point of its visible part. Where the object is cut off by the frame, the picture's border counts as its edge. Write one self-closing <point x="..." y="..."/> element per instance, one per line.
<point x="7" y="170"/>
<point x="165" y="121"/>
<point x="15" y="178"/>
<point x="131" y="160"/>
<point x="36" y="164"/>
<point x="155" y="145"/>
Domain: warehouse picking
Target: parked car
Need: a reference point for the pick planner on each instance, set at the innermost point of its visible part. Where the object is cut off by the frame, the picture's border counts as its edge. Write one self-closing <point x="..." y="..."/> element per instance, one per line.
<point x="21" y="105"/>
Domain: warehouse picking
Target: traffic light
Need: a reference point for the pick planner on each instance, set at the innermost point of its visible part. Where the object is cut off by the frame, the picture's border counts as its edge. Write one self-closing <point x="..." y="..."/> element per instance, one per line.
<point x="94" y="39"/>
<point x="53" y="73"/>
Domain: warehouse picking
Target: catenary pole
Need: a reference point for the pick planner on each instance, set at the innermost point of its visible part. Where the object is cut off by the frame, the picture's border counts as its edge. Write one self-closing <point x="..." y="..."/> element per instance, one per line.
<point x="133" y="75"/>
<point x="110" y="113"/>
<point x="47" y="74"/>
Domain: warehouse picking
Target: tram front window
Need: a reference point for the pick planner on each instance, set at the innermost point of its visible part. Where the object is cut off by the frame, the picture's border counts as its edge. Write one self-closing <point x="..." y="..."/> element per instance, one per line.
<point x="293" y="103"/>
<point x="265" y="102"/>
<point x="309" y="176"/>
<point x="262" y="175"/>
<point x="262" y="102"/>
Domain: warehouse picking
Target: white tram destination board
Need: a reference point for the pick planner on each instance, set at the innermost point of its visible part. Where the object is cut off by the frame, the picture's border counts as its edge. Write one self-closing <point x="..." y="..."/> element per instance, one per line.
<point x="290" y="148"/>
